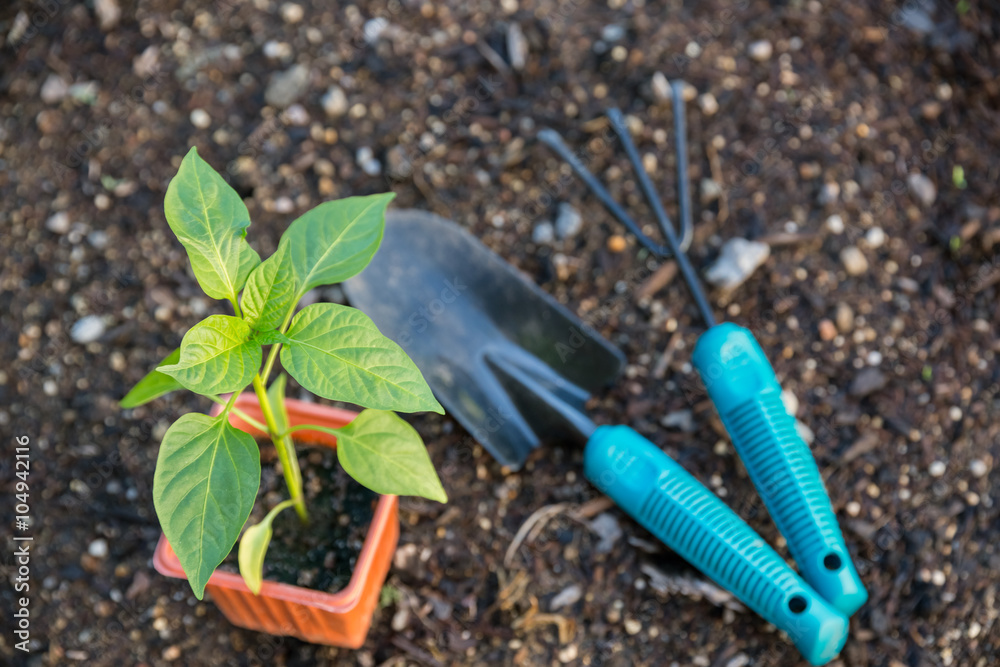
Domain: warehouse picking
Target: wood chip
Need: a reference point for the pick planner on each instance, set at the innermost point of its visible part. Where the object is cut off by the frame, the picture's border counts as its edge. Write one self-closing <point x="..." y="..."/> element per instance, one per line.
<point x="660" y="279"/>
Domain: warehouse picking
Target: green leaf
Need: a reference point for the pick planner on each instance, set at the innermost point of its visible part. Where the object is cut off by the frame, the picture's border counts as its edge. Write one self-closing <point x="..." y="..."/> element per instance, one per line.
<point x="217" y="356"/>
<point x="269" y="292"/>
<point x="206" y="480"/>
<point x="210" y="220"/>
<point x="154" y="385"/>
<point x="335" y="240"/>
<point x="269" y="337"/>
<point x="338" y="353"/>
<point x="253" y="547"/>
<point x="385" y="454"/>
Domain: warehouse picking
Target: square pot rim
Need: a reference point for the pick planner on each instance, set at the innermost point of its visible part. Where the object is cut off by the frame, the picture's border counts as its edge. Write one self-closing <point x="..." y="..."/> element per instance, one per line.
<point x="165" y="561"/>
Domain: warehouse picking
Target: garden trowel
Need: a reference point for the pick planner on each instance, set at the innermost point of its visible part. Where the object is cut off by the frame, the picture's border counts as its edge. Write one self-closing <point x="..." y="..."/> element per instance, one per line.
<point x="515" y="368"/>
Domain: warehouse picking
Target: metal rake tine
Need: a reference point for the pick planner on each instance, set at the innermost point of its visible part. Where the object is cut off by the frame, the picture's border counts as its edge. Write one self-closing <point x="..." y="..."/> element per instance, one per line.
<point x="551" y="138"/>
<point x="683" y="184"/>
<point x="681" y="241"/>
<point x="683" y="263"/>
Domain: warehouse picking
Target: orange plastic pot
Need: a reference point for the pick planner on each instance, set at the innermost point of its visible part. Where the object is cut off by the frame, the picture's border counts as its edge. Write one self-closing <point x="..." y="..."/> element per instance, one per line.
<point x="336" y="619"/>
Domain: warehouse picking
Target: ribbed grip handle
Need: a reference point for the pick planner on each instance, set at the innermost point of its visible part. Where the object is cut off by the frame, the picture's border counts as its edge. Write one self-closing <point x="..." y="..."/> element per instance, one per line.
<point x="692" y="521"/>
<point x="742" y="384"/>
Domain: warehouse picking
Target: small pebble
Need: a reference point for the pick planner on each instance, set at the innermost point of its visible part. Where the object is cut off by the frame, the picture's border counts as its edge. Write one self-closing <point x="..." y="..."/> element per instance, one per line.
<point x="612" y="32"/>
<point x="829" y="193"/>
<point x="566" y="597"/>
<point x="568" y="654"/>
<point x="171" y="653"/>
<point x="955" y="413"/>
<point x="200" y="118"/>
<point x="335" y="102"/>
<point x="98" y="548"/>
<point x="930" y="110"/>
<point x="760" y="50"/>
<point x="922" y="188"/>
<point x="400" y="619"/>
<point x="88" y="329"/>
<point x="609" y="531"/>
<point x="543" y="233"/>
<point x="854" y="261"/>
<point x="366" y="160"/>
<point x="660" y="87"/>
<point x="737" y="261"/>
<point x="58" y="223"/>
<point x="569" y="222"/>
<point x="867" y="381"/>
<point x="291" y="12"/>
<point x="54" y="89"/>
<point x="844" y="318"/>
<point x="517" y="47"/>
<point x="633" y="626"/>
<point x="296" y="115"/>
<point x="285" y="88"/>
<point x="679" y="419"/>
<point x="277" y="50"/>
<point x="709" y="105"/>
<point x="938" y="578"/>
<point x="617" y="243"/>
<point x="374" y="28"/>
<point x="978" y="468"/>
<point x="936" y="469"/>
<point x="835" y="224"/>
<point x="108" y="13"/>
<point x="875" y="237"/>
<point x="827" y="330"/>
<point x="739" y="660"/>
<point x="710" y="190"/>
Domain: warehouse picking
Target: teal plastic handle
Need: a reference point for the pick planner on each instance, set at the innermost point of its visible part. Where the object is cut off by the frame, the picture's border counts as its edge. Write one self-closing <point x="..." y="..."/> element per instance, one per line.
<point x="675" y="507"/>
<point x="741" y="383"/>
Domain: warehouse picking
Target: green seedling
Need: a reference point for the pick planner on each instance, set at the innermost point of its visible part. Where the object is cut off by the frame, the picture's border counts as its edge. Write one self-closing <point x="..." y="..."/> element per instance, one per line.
<point x="208" y="472"/>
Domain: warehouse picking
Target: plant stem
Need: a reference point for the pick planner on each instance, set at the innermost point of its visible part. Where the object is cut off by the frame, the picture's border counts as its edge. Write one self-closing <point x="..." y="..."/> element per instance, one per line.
<point x="272" y="354"/>
<point x="286" y="451"/>
<point x="242" y="415"/>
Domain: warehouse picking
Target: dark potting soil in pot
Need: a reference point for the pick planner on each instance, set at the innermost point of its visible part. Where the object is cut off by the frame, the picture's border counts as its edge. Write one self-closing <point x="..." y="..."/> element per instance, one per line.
<point x="321" y="555"/>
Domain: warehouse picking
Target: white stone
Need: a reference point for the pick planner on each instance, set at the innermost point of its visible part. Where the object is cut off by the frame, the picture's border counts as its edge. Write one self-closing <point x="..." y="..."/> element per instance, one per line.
<point x="374" y="28"/>
<point x="54" y="89"/>
<point x="709" y="105"/>
<point x="566" y="597"/>
<point x="875" y="237"/>
<point x="660" y="87"/>
<point x="200" y="118"/>
<point x="936" y="469"/>
<point x="569" y="222"/>
<point x="58" y="223"/>
<point x="335" y="102"/>
<point x="291" y="12"/>
<point x="737" y="261"/>
<point x="98" y="548"/>
<point x="88" y="329"/>
<point x="922" y="188"/>
<point x="108" y="13"/>
<point x="854" y="261"/>
<point x="835" y="224"/>
<point x="760" y="50"/>
<point x="543" y="233"/>
<point x="517" y="46"/>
